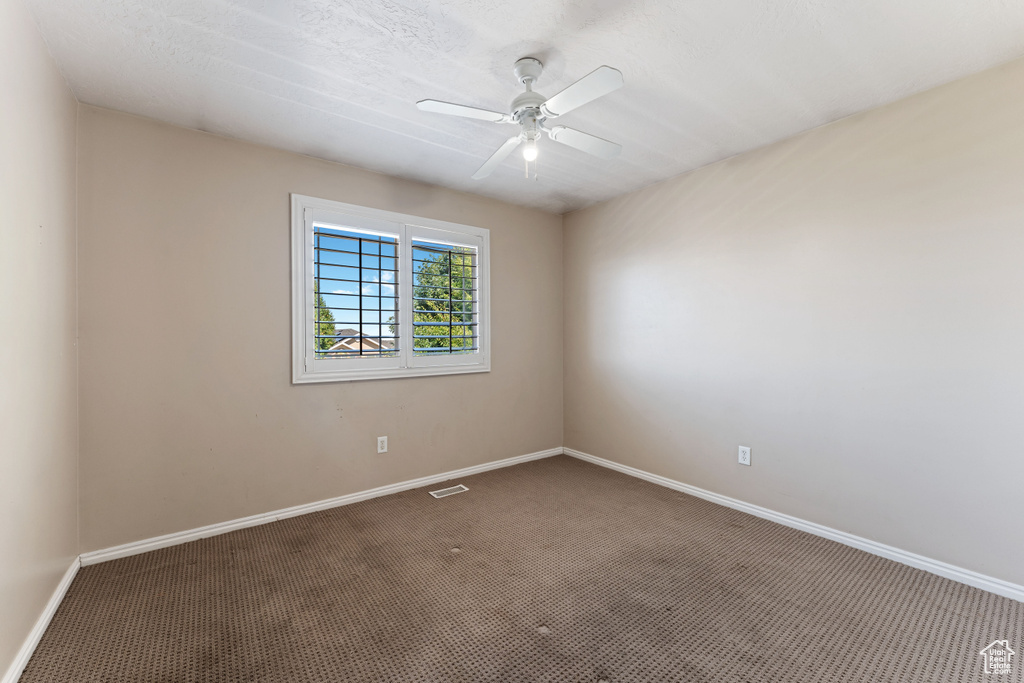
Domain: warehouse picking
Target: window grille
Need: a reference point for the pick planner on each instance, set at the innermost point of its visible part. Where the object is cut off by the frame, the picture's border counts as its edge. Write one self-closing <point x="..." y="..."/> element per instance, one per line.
<point x="356" y="288"/>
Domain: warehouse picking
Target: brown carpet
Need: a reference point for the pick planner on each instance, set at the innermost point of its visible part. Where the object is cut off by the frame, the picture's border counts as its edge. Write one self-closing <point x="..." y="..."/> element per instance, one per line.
<point x="555" y="570"/>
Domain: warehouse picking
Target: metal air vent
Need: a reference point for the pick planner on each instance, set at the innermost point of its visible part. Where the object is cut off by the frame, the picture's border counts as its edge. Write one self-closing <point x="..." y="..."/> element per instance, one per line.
<point x="450" y="491"/>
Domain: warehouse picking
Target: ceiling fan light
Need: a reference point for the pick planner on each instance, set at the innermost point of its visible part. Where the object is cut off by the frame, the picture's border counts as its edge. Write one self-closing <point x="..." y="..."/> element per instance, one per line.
<point x="530" y="151"/>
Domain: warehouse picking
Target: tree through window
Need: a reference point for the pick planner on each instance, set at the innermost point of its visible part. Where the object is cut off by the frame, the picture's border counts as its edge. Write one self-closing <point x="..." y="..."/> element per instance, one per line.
<point x="444" y="298"/>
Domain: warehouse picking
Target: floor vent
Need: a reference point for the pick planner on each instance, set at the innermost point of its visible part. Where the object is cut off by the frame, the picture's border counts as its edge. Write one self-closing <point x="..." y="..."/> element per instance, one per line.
<point x="450" y="491"/>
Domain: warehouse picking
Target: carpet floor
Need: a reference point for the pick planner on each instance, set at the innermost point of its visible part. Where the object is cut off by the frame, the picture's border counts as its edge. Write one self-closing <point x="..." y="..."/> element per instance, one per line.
<point x="555" y="570"/>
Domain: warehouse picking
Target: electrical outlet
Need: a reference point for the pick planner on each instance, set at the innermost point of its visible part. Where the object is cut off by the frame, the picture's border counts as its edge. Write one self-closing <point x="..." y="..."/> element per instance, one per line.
<point x="745" y="455"/>
<point x="382" y="444"/>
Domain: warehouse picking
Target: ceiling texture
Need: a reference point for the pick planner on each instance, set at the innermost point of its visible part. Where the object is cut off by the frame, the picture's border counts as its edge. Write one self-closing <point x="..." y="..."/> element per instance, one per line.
<point x="339" y="79"/>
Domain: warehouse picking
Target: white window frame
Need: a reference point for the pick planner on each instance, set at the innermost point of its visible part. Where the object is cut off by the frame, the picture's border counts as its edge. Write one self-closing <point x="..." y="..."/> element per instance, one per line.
<point x="306" y="368"/>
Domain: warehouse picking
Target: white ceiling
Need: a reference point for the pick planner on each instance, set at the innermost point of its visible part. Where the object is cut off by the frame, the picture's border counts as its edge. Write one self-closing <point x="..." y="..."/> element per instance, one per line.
<point x="338" y="79"/>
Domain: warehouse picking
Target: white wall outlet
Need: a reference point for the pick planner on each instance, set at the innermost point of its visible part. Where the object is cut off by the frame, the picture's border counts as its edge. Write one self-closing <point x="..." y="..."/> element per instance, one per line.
<point x="745" y="455"/>
<point x="382" y="444"/>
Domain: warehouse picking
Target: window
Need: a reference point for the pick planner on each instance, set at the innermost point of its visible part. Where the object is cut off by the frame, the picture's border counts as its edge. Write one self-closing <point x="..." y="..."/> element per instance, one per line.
<point x="377" y="294"/>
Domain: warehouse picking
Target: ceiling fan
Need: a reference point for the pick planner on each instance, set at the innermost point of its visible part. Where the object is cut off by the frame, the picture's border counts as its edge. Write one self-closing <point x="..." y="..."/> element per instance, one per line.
<point x="531" y="111"/>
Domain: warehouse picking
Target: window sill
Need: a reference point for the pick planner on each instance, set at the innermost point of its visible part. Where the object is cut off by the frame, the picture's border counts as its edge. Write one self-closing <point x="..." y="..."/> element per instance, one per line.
<point x="385" y="373"/>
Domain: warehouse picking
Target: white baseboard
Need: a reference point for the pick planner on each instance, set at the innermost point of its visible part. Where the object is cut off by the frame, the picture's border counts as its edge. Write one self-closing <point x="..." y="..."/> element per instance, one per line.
<point x="949" y="571"/>
<point x="144" y="546"/>
<point x="35" y="635"/>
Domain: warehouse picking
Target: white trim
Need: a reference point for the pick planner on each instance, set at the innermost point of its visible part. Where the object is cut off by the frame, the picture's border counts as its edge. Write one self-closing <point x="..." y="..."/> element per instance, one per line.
<point x="144" y="546"/>
<point x="949" y="571"/>
<point x="28" y="647"/>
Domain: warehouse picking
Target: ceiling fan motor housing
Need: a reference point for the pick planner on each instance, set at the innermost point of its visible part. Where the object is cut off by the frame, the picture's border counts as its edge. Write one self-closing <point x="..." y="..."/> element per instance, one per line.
<point x="525" y="102"/>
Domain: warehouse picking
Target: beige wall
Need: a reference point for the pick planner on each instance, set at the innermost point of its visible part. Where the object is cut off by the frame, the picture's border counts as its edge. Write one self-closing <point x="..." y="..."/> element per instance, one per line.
<point x="849" y="303"/>
<point x="38" y="355"/>
<point x="189" y="416"/>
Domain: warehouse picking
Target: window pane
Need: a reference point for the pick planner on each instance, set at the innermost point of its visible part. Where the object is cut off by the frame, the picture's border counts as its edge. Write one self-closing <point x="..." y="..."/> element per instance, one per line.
<point x="355" y="286"/>
<point x="445" y="303"/>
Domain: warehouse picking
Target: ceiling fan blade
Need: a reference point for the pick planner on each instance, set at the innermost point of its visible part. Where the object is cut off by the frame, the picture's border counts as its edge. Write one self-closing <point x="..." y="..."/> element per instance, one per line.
<point x="439" y="107"/>
<point x="497" y="158"/>
<point x="585" y="142"/>
<point x="598" y="82"/>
